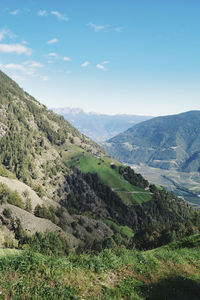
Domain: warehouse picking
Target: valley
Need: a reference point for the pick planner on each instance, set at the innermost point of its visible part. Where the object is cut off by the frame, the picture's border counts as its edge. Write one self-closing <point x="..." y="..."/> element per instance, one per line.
<point x="186" y="185"/>
<point x="165" y="151"/>
<point x="75" y="222"/>
<point x="99" y="150"/>
<point x="99" y="127"/>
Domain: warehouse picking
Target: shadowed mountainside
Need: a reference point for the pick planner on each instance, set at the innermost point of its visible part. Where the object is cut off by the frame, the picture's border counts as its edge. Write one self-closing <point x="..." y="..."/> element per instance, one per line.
<point x="162" y="142"/>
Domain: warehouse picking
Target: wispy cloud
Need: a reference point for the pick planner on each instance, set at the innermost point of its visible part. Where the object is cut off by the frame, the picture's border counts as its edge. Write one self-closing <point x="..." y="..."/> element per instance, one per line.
<point x="101" y="66"/>
<point x="53" y="54"/>
<point x="53" y="41"/>
<point x="14" y="12"/>
<point x="106" y="27"/>
<point x="22" y="71"/>
<point x="17" y="67"/>
<point x="6" y="32"/>
<point x="42" y="13"/>
<point x="85" y="64"/>
<point x="65" y="58"/>
<point x="59" y="15"/>
<point x="27" y="67"/>
<point x="97" y="27"/>
<point x="15" y="48"/>
<point x="18" y="78"/>
<point x="33" y="64"/>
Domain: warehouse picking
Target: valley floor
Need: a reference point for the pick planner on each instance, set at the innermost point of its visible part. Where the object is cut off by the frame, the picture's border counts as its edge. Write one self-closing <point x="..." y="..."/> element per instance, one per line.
<point x="186" y="185"/>
<point x="170" y="272"/>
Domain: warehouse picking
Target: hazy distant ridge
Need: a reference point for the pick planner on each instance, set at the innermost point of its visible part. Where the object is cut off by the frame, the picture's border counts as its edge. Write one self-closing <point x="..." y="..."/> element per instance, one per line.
<point x="99" y="127"/>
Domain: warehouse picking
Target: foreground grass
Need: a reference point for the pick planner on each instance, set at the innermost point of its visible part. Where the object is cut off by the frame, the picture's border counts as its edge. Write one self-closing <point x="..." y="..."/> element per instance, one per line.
<point x="170" y="272"/>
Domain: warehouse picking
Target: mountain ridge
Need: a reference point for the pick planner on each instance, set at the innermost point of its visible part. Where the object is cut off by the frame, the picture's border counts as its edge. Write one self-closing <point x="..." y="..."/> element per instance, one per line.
<point x="87" y="195"/>
<point x="99" y="126"/>
<point x="165" y="142"/>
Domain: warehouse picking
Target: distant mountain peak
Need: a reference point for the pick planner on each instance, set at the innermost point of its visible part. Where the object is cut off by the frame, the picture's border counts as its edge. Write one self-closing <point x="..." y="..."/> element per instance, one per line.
<point x="99" y="126"/>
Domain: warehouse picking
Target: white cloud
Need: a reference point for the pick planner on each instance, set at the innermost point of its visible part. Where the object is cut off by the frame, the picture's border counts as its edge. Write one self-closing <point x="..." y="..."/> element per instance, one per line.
<point x="59" y="16"/>
<point x="17" y="67"/>
<point x="105" y="62"/>
<point x="97" y="27"/>
<point x="6" y="32"/>
<point x="27" y="68"/>
<point x="15" y="48"/>
<point x="53" y="41"/>
<point x="85" y="64"/>
<point x="101" y="66"/>
<point x="52" y="54"/>
<point x="65" y="58"/>
<point x="42" y="13"/>
<point x="68" y="72"/>
<point x="3" y="33"/>
<point x="106" y="27"/>
<point x="18" y="78"/>
<point x="14" y="12"/>
<point x="33" y="64"/>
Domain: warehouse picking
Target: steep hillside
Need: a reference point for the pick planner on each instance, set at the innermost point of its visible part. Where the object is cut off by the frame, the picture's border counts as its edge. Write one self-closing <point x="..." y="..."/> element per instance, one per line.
<point x="56" y="181"/>
<point x="99" y="127"/>
<point x="163" y="142"/>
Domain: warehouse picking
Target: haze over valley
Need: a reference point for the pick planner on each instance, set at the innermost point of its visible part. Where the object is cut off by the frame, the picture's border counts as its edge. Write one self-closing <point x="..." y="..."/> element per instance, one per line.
<point x="99" y="127"/>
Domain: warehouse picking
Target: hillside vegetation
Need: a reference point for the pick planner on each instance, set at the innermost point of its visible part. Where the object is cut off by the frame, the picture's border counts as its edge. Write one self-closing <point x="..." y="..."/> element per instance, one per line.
<point x="58" y="185"/>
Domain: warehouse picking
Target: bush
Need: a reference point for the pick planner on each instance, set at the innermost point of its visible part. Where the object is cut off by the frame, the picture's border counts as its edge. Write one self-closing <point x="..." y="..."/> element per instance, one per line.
<point x="7" y="212"/>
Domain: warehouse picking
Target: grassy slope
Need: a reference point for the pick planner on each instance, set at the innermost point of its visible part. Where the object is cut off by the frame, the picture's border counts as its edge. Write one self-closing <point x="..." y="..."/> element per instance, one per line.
<point x="87" y="163"/>
<point x="170" y="272"/>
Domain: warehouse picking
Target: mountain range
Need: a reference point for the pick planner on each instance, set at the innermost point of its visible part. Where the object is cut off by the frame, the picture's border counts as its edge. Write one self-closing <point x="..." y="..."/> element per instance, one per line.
<point x="53" y="178"/>
<point x="73" y="220"/>
<point x="165" y="150"/>
<point x="163" y="142"/>
<point x="99" y="127"/>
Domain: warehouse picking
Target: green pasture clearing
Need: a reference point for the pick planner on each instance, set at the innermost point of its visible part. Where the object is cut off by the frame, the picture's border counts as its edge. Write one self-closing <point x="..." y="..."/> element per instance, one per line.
<point x="125" y="230"/>
<point x="102" y="166"/>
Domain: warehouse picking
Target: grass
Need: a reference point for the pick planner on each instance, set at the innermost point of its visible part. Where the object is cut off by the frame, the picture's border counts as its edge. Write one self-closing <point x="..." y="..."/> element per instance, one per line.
<point x="102" y="166"/>
<point x="125" y="230"/>
<point x="129" y="199"/>
<point x="9" y="252"/>
<point x="170" y="272"/>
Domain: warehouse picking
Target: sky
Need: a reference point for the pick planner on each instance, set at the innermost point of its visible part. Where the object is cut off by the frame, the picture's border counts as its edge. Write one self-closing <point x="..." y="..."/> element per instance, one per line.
<point x="107" y="56"/>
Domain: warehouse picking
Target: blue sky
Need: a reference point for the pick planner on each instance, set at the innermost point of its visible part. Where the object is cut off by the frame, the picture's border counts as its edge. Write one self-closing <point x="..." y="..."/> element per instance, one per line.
<point x="110" y="56"/>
